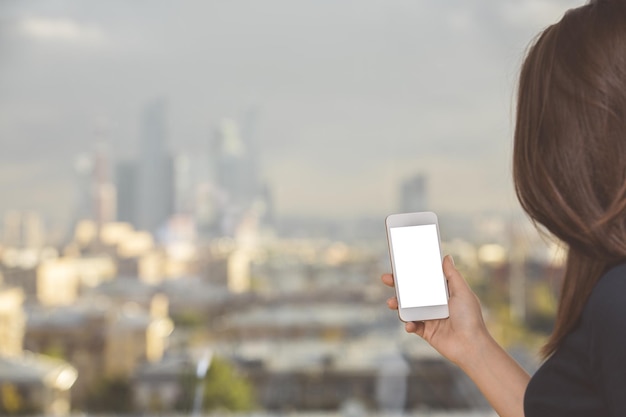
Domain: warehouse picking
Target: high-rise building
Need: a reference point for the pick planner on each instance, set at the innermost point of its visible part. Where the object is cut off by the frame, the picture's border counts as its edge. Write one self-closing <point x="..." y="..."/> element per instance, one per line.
<point x="184" y="192"/>
<point x="12" y="228"/>
<point x="12" y="321"/>
<point x="235" y="173"/>
<point x="126" y="185"/>
<point x="83" y="170"/>
<point x="96" y="194"/>
<point x="413" y="194"/>
<point x="23" y="229"/>
<point x="154" y="186"/>
<point x="104" y="194"/>
<point x="236" y="180"/>
<point x="34" y="231"/>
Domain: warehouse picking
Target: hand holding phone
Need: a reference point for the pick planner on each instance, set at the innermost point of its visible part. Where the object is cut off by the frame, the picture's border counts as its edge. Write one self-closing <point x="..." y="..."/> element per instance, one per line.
<point x="415" y="252"/>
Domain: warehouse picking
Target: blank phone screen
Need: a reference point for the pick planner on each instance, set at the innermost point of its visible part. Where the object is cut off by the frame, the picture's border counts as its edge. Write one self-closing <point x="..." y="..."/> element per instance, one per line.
<point x="417" y="261"/>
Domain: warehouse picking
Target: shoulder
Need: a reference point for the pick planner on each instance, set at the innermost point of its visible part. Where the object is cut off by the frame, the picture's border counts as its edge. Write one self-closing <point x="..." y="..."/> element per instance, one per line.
<point x="612" y="285"/>
<point x="613" y="280"/>
<point x="604" y="323"/>
<point x="607" y="300"/>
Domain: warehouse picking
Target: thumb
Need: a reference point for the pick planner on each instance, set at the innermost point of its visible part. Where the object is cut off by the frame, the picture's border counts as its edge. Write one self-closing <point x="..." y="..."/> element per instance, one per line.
<point x="456" y="282"/>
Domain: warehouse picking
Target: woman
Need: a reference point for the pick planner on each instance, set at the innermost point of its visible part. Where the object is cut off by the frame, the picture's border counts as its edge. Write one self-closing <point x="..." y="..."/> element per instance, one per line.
<point x="569" y="169"/>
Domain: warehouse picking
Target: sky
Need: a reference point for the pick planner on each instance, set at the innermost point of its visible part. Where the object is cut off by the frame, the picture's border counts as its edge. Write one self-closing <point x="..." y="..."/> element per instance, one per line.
<point x="350" y="97"/>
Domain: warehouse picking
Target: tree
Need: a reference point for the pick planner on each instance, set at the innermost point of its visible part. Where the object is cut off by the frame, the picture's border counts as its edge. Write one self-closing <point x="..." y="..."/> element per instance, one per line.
<point x="12" y="401"/>
<point x="110" y="395"/>
<point x="224" y="389"/>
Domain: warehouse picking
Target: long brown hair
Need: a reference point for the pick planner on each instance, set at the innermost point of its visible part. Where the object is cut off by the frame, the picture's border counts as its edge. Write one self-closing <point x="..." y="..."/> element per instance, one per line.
<point x="569" y="156"/>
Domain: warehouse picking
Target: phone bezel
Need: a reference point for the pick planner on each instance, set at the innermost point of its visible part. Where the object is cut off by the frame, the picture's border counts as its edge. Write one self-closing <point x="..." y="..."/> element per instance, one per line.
<point x="416" y="219"/>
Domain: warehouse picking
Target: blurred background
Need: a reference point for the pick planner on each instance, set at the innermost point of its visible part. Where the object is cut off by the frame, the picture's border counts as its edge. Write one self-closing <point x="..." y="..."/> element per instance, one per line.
<point x="193" y="196"/>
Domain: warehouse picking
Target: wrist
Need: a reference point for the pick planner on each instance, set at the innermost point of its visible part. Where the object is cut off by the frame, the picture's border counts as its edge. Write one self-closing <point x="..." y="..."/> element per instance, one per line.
<point x="478" y="350"/>
<point x="501" y="380"/>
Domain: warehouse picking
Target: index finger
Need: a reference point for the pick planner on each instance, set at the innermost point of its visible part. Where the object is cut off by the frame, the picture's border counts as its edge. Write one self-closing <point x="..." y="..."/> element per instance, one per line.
<point x="388" y="280"/>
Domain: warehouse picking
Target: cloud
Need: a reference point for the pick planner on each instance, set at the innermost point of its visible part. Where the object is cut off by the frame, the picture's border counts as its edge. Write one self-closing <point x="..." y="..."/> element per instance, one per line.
<point x="60" y="30"/>
<point x="354" y="95"/>
<point x="535" y="12"/>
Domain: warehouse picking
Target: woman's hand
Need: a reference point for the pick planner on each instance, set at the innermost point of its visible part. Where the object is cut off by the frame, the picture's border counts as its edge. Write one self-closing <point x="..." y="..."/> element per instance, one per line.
<point x="463" y="339"/>
<point x="458" y="336"/>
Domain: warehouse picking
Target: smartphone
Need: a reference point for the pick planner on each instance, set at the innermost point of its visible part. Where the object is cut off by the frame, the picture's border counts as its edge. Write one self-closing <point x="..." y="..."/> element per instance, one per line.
<point x="416" y="263"/>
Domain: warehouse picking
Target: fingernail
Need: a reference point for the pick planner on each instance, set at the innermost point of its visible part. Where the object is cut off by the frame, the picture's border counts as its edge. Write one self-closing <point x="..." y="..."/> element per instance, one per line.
<point x="452" y="260"/>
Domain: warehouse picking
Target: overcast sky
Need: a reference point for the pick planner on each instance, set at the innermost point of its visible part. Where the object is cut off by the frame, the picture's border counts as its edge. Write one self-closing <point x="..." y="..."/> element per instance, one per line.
<point x="350" y="96"/>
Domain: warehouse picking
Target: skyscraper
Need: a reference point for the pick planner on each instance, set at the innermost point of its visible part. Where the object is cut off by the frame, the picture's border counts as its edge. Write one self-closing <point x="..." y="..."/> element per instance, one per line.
<point x="235" y="168"/>
<point x="413" y="194"/>
<point x="235" y="176"/>
<point x="154" y="191"/>
<point x="23" y="229"/>
<point x="96" y="195"/>
<point x="126" y="185"/>
<point x="103" y="191"/>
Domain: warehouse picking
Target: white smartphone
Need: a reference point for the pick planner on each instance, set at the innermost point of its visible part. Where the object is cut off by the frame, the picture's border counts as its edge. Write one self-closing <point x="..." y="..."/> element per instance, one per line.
<point x="416" y="263"/>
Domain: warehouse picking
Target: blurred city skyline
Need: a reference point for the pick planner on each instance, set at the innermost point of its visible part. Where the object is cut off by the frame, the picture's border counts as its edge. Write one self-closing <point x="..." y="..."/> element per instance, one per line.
<point x="349" y="99"/>
<point x="176" y="178"/>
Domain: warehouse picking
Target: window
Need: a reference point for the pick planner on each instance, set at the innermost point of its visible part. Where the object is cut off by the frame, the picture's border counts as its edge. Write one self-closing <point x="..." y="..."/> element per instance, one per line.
<point x="197" y="191"/>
